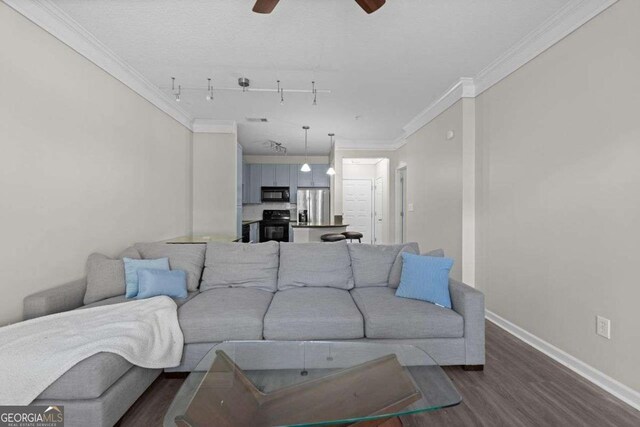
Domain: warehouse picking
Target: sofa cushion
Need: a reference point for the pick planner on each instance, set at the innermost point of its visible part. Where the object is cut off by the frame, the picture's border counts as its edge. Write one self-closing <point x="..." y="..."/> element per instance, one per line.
<point x="122" y="298"/>
<point x="313" y="314"/>
<point x="315" y="264"/>
<point x="105" y="276"/>
<point x="224" y="314"/>
<point x="244" y="266"/>
<point x="372" y="263"/>
<point x="396" y="269"/>
<point x="189" y="258"/>
<point x="89" y="378"/>
<point x="387" y="316"/>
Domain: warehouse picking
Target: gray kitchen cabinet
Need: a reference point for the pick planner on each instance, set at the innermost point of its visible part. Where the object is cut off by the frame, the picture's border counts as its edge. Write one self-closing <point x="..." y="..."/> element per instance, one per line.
<point x="293" y="183"/>
<point x="304" y="178"/>
<point x="245" y="183"/>
<point x="255" y="183"/>
<point x="282" y="176"/>
<point x="268" y="175"/>
<point x="275" y="175"/>
<point x="239" y="176"/>
<point x="319" y="177"/>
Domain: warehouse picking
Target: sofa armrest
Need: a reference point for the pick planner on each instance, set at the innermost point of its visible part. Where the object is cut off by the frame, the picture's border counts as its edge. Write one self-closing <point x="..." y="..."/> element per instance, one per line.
<point x="469" y="303"/>
<point x="55" y="300"/>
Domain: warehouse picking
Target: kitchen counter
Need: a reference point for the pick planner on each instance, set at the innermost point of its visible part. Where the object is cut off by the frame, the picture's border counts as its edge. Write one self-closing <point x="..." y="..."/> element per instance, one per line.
<point x="250" y="221"/>
<point x="318" y="225"/>
<point x="203" y="238"/>
<point x="304" y="232"/>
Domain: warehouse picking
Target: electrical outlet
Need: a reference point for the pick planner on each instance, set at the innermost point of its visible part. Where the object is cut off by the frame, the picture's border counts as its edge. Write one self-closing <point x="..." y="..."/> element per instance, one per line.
<point x="603" y="327"/>
<point x="410" y="207"/>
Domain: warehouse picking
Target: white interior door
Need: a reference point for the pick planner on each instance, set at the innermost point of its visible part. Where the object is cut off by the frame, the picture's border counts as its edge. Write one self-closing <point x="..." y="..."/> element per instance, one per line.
<point x="378" y="212"/>
<point x="357" y="206"/>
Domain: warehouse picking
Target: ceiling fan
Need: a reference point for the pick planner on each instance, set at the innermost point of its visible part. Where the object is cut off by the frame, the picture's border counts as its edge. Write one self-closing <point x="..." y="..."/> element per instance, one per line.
<point x="267" y="6"/>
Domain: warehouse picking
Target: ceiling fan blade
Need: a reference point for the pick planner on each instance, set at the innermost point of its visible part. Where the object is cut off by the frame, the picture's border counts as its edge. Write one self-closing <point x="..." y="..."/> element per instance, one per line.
<point x="370" y="6"/>
<point x="265" y="6"/>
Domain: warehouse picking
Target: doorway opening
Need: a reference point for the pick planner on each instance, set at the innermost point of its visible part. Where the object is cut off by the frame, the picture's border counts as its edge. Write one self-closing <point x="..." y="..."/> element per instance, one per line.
<point x="365" y="197"/>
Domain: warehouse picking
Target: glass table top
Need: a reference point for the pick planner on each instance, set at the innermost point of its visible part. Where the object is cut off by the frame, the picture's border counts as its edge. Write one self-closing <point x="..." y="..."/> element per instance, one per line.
<point x="309" y="383"/>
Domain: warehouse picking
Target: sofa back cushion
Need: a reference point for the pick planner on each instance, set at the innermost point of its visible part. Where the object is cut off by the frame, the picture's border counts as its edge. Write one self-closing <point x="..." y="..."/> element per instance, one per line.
<point x="105" y="276"/>
<point x="239" y="265"/>
<point x="315" y="264"/>
<point x="187" y="257"/>
<point x="372" y="263"/>
<point x="396" y="268"/>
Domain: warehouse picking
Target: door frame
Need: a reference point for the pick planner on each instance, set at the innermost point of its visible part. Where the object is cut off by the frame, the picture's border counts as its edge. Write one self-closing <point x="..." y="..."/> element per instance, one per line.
<point x="372" y="207"/>
<point x="401" y="203"/>
<point x="377" y="238"/>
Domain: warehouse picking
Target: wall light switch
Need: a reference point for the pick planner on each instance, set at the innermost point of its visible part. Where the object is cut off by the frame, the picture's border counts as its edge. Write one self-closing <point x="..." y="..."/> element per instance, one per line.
<point x="410" y="207"/>
<point x="603" y="327"/>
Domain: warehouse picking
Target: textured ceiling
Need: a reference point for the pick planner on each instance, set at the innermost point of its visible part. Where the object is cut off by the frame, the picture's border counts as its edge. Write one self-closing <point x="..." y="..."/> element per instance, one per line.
<point x="382" y="69"/>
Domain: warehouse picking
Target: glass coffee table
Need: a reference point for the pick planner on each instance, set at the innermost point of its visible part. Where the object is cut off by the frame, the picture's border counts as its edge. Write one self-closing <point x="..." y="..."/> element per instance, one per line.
<point x="309" y="383"/>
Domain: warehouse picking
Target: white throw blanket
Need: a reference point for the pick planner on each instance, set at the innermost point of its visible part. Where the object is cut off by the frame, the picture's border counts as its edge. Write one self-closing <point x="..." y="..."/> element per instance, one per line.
<point x="35" y="353"/>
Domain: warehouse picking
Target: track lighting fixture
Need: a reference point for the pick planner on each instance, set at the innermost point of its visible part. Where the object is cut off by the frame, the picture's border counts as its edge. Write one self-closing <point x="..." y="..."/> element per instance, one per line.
<point x="209" y="90"/>
<point x="281" y="92"/>
<point x="305" y="167"/>
<point x="278" y="147"/>
<point x="315" y="93"/>
<point x="331" y="171"/>
<point x="173" y="89"/>
<point x="244" y="85"/>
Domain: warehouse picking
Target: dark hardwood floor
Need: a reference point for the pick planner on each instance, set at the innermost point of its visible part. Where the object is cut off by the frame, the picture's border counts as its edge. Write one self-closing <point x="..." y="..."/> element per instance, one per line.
<point x="519" y="387"/>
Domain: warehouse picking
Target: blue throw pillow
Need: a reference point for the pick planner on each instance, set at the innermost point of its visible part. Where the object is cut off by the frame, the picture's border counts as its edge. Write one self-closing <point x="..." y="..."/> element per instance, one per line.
<point x="425" y="278"/>
<point x="131" y="267"/>
<point x="152" y="283"/>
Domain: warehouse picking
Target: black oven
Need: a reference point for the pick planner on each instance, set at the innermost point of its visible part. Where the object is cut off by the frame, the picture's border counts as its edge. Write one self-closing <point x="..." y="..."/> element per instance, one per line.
<point x="275" y="194"/>
<point x="275" y="225"/>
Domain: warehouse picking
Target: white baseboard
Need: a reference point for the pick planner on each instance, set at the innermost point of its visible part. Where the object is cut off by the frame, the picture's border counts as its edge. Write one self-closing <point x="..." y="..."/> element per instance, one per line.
<point x="616" y="388"/>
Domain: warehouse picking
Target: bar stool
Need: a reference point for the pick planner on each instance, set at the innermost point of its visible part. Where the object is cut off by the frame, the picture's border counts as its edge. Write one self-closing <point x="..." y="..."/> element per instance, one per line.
<point x="332" y="237"/>
<point x="351" y="235"/>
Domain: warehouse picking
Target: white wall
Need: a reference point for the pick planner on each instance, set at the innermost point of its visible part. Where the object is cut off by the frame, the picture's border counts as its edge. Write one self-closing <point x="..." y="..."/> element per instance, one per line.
<point x="434" y="185"/>
<point x="214" y="183"/>
<point x="358" y="171"/>
<point x="85" y="165"/>
<point x="559" y="199"/>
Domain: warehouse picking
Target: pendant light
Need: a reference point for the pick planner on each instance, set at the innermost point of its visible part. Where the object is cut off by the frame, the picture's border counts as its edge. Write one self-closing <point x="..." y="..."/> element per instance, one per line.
<point x="331" y="171"/>
<point x="305" y="167"/>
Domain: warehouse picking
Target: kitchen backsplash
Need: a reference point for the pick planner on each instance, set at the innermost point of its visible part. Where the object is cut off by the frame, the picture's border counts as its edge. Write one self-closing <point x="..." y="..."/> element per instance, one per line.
<point x="255" y="211"/>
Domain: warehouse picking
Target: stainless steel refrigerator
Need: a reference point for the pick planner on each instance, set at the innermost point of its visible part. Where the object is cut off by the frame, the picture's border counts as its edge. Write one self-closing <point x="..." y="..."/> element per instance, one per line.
<point x="316" y="202"/>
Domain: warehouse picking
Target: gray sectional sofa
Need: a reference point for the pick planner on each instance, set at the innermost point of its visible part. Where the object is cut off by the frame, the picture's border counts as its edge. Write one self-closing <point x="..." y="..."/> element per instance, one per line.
<point x="272" y="291"/>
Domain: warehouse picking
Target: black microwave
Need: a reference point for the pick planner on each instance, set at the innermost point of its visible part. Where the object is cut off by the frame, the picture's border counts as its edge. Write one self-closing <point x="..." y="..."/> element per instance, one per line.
<point x="275" y="194"/>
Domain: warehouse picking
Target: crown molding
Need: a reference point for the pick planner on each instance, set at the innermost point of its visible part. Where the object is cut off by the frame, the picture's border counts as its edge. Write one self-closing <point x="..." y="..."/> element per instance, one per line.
<point x="48" y="16"/>
<point x="572" y="16"/>
<point x="364" y="145"/>
<point x="464" y="88"/>
<point x="562" y="23"/>
<point x="214" y="126"/>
